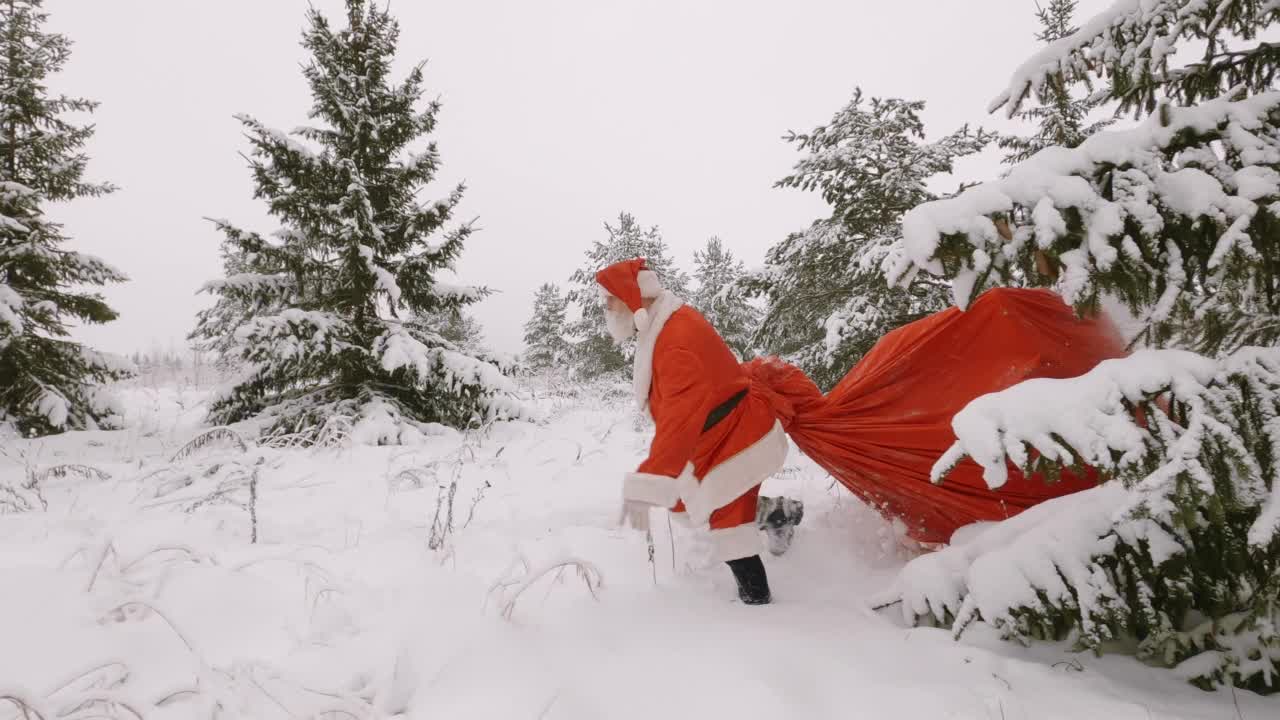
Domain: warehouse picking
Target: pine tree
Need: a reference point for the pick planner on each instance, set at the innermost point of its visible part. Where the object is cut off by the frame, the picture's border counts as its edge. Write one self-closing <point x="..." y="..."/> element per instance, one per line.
<point x="595" y="352"/>
<point x="545" y="344"/>
<point x="1063" y="119"/>
<point x="827" y="302"/>
<point x="459" y="328"/>
<point x="721" y="298"/>
<point x="47" y="382"/>
<point x="1178" y="218"/>
<point x="324" y="316"/>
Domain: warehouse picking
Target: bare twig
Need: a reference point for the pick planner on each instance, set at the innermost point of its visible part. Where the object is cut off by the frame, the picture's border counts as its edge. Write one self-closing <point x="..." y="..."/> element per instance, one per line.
<point x="108" y="549"/>
<point x="671" y="533"/>
<point x="653" y="564"/>
<point x="171" y="697"/>
<point x="61" y="471"/>
<point x="120" y="678"/>
<point x="589" y="573"/>
<point x="28" y="710"/>
<point x="125" y="607"/>
<point x="253" y="507"/>
<point x="207" y="438"/>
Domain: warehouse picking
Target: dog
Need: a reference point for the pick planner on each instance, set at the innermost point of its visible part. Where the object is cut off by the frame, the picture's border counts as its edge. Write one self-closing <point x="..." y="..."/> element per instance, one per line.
<point x="778" y="518"/>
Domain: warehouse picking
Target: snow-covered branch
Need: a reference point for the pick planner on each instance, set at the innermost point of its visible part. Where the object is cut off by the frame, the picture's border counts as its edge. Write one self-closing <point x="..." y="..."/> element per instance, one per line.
<point x="1132" y="42"/>
<point x="1090" y="415"/>
<point x="1190" y="519"/>
<point x="1127" y="211"/>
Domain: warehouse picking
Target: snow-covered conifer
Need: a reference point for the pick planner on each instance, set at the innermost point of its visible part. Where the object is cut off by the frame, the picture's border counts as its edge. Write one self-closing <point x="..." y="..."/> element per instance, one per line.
<point x="325" y="315"/>
<point x="545" y="344"/>
<point x="47" y="382"/>
<point x="595" y="352"/>
<point x="1062" y="118"/>
<point x="827" y="301"/>
<point x="722" y="299"/>
<point x="1173" y="216"/>
<point x="459" y="328"/>
<point x="1178" y="218"/>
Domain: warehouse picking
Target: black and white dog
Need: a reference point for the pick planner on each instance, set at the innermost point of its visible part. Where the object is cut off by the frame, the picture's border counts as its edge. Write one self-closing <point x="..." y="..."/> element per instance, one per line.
<point x="778" y="518"/>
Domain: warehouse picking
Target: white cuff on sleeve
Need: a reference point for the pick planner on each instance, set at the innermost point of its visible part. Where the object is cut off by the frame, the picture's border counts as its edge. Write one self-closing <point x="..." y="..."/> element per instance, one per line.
<point x="657" y="490"/>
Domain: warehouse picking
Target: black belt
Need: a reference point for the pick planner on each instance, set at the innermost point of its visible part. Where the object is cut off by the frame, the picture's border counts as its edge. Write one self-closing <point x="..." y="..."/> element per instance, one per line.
<point x="722" y="410"/>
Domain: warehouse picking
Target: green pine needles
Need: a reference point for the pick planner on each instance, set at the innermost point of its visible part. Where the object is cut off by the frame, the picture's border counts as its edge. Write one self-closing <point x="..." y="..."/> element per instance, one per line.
<point x="333" y="314"/>
<point x="1177" y="557"/>
<point x="47" y="382"/>
<point x="826" y="300"/>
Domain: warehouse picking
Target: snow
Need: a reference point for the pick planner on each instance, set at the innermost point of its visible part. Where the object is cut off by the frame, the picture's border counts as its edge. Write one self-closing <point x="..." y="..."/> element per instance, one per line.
<point x="1009" y="563"/>
<point x="10" y="190"/>
<point x="398" y="349"/>
<point x="450" y="290"/>
<point x="1086" y="412"/>
<point x="1190" y="191"/>
<point x="92" y="268"/>
<point x="281" y="335"/>
<point x="279" y="137"/>
<point x="385" y="281"/>
<point x="8" y="223"/>
<point x="1049" y="60"/>
<point x="53" y="406"/>
<point x="248" y="281"/>
<point x="119" y="593"/>
<point x="419" y="160"/>
<point x="1257" y="182"/>
<point x="10" y="307"/>
<point x="110" y="362"/>
<point x="1055" y="178"/>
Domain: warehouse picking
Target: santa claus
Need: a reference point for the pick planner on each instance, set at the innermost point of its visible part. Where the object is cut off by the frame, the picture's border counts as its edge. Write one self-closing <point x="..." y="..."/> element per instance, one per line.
<point x="716" y="439"/>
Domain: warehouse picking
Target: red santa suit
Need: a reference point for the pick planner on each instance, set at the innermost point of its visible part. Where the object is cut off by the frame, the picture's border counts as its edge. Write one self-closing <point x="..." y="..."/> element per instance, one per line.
<point x="683" y="374"/>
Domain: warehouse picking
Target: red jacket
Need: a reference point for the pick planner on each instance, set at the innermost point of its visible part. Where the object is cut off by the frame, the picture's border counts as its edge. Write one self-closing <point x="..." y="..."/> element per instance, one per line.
<point x="683" y="370"/>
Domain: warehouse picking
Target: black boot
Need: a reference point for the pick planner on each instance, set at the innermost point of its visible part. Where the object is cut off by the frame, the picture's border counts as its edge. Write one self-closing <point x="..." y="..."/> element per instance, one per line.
<point x="753" y="584"/>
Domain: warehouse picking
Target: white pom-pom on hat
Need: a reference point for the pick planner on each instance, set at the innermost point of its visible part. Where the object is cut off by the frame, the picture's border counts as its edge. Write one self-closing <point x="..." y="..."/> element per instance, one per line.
<point x="642" y="319"/>
<point x="650" y="286"/>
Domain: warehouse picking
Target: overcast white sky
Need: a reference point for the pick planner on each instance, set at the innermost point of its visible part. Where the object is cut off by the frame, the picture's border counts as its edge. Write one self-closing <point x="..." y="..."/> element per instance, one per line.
<point x="557" y="114"/>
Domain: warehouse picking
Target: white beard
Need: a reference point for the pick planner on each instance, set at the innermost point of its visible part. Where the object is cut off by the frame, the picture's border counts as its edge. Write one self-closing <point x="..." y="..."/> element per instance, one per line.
<point x="621" y="324"/>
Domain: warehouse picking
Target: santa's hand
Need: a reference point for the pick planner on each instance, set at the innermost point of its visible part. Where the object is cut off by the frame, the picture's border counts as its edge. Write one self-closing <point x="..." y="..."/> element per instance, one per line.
<point x="635" y="514"/>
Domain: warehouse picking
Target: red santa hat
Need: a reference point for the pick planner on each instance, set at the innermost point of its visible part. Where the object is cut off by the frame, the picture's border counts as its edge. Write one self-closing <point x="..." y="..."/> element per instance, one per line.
<point x="631" y="282"/>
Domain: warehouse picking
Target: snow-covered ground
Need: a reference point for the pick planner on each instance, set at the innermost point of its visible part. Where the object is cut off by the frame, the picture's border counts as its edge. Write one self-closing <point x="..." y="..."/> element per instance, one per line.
<point x="144" y="589"/>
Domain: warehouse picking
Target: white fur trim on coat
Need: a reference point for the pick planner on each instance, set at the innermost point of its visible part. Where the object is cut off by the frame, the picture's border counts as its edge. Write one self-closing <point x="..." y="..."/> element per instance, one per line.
<point x="736" y="543"/>
<point x="732" y="478"/>
<point x="642" y="373"/>
<point x="649" y="488"/>
<point x="650" y="286"/>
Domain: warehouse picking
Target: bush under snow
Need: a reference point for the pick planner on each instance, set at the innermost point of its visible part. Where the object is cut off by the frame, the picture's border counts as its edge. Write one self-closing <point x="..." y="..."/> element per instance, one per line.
<point x="1180" y="551"/>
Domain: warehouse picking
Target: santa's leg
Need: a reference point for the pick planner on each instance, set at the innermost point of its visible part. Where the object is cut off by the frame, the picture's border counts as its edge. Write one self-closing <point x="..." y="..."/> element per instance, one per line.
<point x="736" y="540"/>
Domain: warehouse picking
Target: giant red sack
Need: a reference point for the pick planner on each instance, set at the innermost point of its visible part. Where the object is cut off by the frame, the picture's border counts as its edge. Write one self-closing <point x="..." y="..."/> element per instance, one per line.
<point x="880" y="430"/>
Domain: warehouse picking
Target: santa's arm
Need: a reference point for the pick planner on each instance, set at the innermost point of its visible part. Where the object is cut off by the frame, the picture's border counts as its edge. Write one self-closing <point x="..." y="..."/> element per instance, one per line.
<point x="681" y="410"/>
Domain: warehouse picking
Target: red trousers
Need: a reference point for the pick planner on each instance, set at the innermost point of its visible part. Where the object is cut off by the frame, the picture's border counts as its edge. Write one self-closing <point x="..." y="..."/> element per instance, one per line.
<point x="733" y="527"/>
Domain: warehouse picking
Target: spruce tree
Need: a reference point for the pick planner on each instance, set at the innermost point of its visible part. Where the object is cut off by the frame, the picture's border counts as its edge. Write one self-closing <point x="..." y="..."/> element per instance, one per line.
<point x="324" y="315"/>
<point x="827" y="302"/>
<point x="47" y="382"/>
<point x="1063" y="118"/>
<point x="1178" y="218"/>
<point x="544" y="333"/>
<point x="460" y="328"/>
<point x="721" y="298"/>
<point x="595" y="352"/>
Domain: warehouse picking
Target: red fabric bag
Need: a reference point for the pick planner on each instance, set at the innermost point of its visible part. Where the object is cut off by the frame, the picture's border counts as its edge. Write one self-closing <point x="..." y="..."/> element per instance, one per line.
<point x="880" y="430"/>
